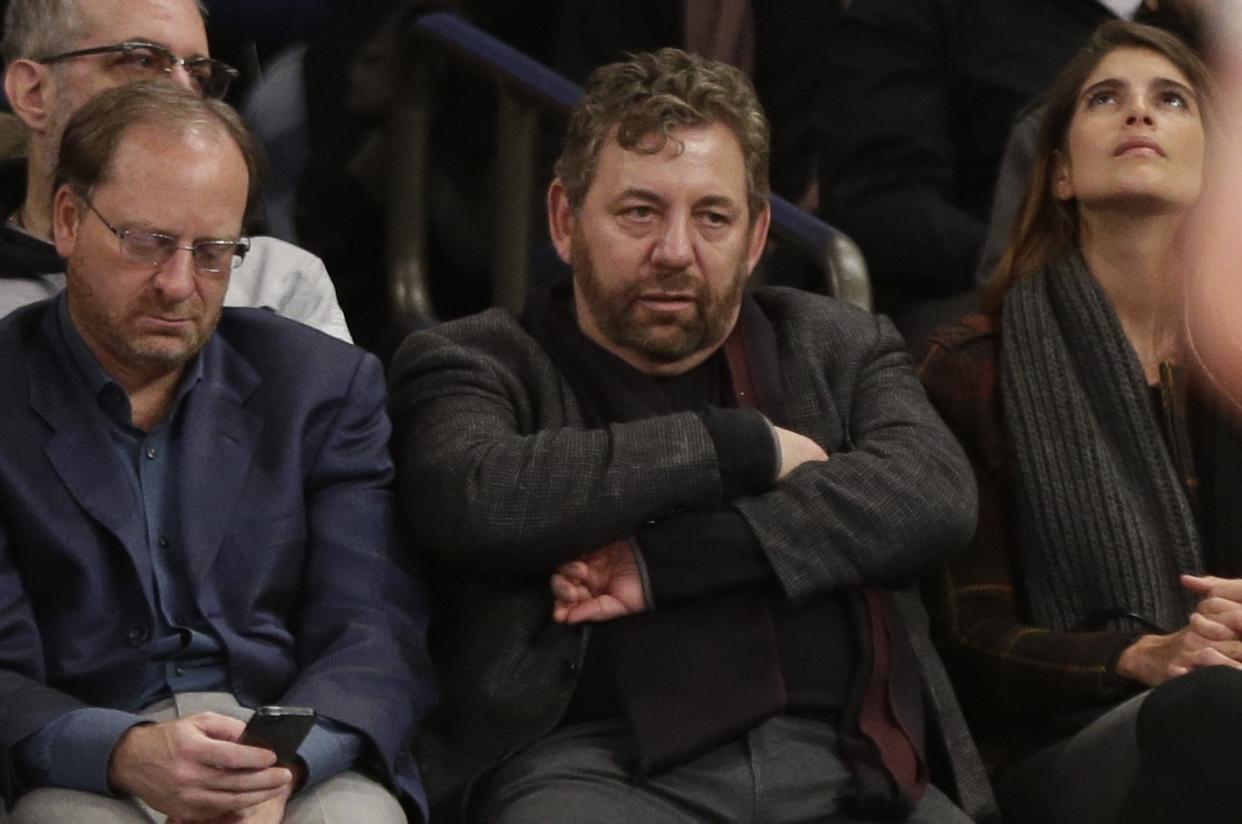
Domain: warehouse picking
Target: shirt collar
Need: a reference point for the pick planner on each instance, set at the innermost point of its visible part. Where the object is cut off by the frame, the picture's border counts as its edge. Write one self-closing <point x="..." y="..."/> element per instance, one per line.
<point x="101" y="384"/>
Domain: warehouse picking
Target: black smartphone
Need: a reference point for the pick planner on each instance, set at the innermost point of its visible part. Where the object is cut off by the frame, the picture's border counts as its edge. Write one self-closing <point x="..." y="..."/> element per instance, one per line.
<point x="279" y="729"/>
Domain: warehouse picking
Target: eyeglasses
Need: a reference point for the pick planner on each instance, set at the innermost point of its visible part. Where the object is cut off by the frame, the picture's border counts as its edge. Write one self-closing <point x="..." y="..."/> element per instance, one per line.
<point x="142" y="59"/>
<point x="154" y="249"/>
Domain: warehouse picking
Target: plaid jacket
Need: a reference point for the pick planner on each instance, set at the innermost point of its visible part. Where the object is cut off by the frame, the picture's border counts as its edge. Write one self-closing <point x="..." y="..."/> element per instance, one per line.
<point x="1021" y="686"/>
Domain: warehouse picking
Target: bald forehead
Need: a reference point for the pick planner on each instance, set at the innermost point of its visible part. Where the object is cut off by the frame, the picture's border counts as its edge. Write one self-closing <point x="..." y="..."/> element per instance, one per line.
<point x="139" y="143"/>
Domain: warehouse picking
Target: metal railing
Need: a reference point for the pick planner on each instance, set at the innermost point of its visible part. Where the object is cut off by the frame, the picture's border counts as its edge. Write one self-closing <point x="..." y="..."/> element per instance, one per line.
<point x="525" y="89"/>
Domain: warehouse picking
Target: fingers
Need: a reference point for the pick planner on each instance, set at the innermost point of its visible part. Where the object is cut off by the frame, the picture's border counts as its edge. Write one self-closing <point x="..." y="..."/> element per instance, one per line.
<point x="217" y="726"/>
<point x="1211" y="657"/>
<point x="1210" y="629"/>
<point x="1222" y="612"/>
<point x="1212" y="586"/>
<point x="240" y="782"/>
<point x="223" y="805"/>
<point x="191" y="769"/>
<point x="568" y="590"/>
<point x="603" y="608"/>
<point x="226" y="755"/>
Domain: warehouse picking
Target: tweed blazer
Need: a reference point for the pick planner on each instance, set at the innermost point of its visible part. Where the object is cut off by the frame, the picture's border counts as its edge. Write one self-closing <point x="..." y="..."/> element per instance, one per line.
<point x="500" y="481"/>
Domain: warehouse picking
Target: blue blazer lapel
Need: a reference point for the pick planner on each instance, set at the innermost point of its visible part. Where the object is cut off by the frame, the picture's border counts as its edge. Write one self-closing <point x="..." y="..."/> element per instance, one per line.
<point x="220" y="437"/>
<point x="78" y="449"/>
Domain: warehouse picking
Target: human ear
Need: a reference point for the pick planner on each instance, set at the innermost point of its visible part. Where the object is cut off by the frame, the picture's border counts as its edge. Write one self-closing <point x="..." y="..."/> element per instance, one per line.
<point x="561" y="221"/>
<point x="29" y="89"/>
<point x="66" y="218"/>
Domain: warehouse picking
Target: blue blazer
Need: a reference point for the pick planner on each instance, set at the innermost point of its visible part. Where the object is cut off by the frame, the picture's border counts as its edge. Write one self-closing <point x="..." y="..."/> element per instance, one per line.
<point x="289" y="520"/>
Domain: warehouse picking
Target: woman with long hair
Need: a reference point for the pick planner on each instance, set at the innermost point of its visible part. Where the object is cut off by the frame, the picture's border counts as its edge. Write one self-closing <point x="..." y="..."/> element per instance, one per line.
<point x="1094" y="627"/>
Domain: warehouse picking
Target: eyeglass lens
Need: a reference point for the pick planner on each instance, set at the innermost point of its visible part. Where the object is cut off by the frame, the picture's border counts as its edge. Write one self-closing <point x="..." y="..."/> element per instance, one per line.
<point x="210" y="76"/>
<point x="156" y="250"/>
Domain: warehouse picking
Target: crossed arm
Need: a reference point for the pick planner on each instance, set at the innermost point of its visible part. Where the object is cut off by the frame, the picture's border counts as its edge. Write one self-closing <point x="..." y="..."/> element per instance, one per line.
<point x="500" y="483"/>
<point x="607" y="583"/>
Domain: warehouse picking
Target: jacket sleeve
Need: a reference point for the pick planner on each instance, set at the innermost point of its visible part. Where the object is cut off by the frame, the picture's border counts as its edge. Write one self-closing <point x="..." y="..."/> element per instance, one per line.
<point x="889" y="505"/>
<point x="362" y="618"/>
<point x="487" y="483"/>
<point x="999" y="660"/>
<point x="886" y="164"/>
<point x="27" y="704"/>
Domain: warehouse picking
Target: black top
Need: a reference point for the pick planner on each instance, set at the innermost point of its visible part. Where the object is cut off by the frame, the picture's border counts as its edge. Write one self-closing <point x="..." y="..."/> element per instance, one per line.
<point x="21" y="255"/>
<point x="692" y="555"/>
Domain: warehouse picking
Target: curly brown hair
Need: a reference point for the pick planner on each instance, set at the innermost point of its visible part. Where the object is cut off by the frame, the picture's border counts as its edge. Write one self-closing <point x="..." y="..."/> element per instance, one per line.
<point x="651" y="95"/>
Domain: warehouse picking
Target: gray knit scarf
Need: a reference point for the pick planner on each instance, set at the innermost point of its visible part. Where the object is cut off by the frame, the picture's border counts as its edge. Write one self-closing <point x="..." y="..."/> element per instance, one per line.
<point x="1104" y="526"/>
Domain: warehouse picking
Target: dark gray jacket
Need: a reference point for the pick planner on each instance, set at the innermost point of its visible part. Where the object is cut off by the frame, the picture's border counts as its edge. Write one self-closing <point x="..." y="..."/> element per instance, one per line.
<point x="500" y="481"/>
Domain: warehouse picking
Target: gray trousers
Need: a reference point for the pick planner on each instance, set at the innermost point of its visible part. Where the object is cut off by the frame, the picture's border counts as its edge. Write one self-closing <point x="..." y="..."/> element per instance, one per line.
<point x="785" y="770"/>
<point x="1084" y="780"/>
<point x="342" y="799"/>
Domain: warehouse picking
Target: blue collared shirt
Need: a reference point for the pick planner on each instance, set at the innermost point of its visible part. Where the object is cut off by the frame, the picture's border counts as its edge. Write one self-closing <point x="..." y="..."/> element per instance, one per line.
<point x="184" y="653"/>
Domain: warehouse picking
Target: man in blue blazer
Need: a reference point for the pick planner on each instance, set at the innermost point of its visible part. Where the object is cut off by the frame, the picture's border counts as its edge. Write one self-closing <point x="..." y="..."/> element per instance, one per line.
<point x="195" y="511"/>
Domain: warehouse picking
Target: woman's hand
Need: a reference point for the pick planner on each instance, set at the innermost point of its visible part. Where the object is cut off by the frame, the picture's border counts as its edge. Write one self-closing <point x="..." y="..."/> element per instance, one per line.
<point x="1212" y="637"/>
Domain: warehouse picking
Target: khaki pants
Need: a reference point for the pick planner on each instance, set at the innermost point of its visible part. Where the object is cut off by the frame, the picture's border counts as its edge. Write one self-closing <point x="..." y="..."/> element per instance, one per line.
<point x="342" y="799"/>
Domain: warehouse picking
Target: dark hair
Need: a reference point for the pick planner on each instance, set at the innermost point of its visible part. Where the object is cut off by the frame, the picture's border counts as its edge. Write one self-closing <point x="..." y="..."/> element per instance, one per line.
<point x="652" y="94"/>
<point x="94" y="132"/>
<point x="1046" y="227"/>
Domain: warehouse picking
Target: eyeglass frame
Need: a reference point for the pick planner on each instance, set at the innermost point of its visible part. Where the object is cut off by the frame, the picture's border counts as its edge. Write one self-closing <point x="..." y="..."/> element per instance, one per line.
<point x="241" y="246"/>
<point x="126" y="47"/>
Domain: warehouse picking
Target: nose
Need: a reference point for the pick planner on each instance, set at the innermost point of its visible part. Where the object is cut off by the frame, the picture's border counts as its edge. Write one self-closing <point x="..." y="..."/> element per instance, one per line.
<point x="175" y="279"/>
<point x="1139" y="112"/>
<point x="674" y="247"/>
<point x="181" y="77"/>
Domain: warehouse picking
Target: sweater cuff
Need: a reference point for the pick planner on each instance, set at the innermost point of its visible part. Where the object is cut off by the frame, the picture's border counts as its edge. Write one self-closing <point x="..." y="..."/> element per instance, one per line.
<point x="1113" y="682"/>
<point x="746" y="450"/>
<point x="699" y="553"/>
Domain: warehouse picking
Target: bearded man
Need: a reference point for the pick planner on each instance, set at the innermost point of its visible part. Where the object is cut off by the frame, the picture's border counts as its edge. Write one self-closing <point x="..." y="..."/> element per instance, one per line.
<point x="659" y="513"/>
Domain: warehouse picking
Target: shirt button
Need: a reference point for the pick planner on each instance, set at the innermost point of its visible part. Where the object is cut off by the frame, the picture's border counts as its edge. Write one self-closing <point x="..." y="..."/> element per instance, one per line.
<point x="139" y="636"/>
<point x="179" y="671"/>
<point x="151" y="453"/>
<point x="163" y="542"/>
<point x="569" y="669"/>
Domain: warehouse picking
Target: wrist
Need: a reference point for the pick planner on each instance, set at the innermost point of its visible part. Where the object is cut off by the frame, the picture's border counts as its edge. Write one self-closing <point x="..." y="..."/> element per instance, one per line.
<point x="119" y="760"/>
<point x="1136" y="661"/>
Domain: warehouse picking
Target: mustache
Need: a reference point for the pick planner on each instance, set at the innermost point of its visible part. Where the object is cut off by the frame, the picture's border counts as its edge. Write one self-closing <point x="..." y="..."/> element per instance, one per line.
<point x="680" y="280"/>
<point x="148" y="305"/>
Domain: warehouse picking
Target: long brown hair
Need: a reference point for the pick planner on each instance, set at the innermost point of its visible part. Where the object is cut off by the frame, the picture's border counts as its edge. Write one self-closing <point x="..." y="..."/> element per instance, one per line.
<point x="1046" y="226"/>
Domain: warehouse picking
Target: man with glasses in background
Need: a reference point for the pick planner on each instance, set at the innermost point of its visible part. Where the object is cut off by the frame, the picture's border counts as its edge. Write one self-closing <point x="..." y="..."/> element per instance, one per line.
<point x="60" y="54"/>
<point x="196" y="516"/>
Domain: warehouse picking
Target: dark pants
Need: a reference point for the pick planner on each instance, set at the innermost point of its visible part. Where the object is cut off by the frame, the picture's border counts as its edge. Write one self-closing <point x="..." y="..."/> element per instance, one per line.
<point x="1085" y="780"/>
<point x="786" y="770"/>
<point x="1169" y="755"/>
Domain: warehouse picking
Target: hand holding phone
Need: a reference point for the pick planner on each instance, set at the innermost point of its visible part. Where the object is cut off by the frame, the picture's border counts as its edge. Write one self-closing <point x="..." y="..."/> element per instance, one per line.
<point x="279" y="729"/>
